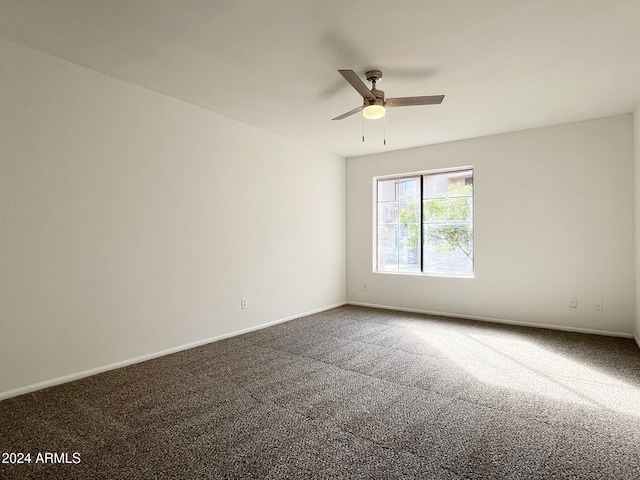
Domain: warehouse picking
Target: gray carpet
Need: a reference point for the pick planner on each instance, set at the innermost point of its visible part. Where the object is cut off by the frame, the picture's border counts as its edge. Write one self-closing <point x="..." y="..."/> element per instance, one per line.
<point x="348" y="393"/>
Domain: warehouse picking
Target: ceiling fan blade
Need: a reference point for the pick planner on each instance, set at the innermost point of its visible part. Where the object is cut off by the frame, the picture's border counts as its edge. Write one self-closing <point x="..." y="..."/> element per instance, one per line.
<point x="349" y="113"/>
<point x="409" y="101"/>
<point x="353" y="78"/>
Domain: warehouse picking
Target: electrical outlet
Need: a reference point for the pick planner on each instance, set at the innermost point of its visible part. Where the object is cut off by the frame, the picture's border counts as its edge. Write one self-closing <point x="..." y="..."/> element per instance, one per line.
<point x="573" y="302"/>
<point x="244" y="303"/>
<point x="366" y="286"/>
<point x="599" y="306"/>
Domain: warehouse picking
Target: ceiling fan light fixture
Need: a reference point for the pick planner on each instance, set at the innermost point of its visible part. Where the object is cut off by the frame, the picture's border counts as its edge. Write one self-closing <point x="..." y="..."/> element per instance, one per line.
<point x="373" y="112"/>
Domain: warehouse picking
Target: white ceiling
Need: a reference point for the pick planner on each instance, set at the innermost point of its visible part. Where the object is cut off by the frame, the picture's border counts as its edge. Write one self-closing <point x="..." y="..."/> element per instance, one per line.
<point x="503" y="65"/>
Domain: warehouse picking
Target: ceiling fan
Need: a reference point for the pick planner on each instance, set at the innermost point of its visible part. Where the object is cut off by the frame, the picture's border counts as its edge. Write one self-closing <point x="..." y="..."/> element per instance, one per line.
<point x="374" y="104"/>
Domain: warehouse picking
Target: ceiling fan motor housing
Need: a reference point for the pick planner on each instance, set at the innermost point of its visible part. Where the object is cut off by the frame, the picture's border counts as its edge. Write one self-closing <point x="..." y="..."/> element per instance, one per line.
<point x="379" y="94"/>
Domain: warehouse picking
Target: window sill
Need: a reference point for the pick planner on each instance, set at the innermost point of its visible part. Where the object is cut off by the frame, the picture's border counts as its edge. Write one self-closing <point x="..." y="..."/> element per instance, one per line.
<point x="422" y="274"/>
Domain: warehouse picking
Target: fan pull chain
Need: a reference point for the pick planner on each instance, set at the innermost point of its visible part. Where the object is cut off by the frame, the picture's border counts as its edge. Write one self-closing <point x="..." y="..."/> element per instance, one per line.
<point x="362" y="116"/>
<point x="384" y="130"/>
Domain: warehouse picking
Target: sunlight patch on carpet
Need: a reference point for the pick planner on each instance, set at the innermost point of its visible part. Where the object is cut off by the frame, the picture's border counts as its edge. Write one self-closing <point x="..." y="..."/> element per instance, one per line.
<point x="509" y="362"/>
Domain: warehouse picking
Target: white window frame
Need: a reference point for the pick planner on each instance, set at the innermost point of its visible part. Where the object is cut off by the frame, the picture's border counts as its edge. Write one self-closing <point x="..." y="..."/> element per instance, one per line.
<point x="421" y="271"/>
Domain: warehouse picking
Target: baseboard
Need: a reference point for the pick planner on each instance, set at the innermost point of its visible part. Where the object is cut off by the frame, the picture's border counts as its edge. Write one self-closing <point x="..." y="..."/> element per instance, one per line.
<point x="143" y="358"/>
<point x="637" y="338"/>
<point x="501" y="320"/>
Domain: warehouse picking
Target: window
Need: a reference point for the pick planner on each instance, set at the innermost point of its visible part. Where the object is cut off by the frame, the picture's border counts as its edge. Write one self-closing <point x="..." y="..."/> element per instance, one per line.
<point x="425" y="223"/>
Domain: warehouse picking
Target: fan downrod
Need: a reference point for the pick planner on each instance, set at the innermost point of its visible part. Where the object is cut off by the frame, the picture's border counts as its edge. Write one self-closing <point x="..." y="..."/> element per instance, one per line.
<point x="375" y="76"/>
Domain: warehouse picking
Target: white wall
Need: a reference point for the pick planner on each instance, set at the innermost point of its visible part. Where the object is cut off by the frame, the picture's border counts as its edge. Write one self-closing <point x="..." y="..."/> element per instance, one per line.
<point x="132" y="223"/>
<point x="554" y="219"/>
<point x="636" y="150"/>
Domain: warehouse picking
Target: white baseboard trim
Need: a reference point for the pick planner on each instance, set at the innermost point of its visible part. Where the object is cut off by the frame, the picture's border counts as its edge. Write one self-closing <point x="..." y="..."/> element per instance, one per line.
<point x="500" y="320"/>
<point x="143" y="358"/>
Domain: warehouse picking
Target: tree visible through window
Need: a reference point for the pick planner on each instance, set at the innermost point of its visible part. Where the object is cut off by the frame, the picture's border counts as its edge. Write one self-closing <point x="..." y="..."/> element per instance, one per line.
<point x="425" y="223"/>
